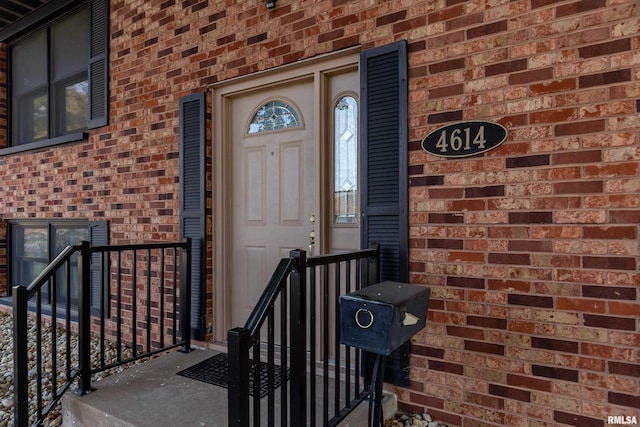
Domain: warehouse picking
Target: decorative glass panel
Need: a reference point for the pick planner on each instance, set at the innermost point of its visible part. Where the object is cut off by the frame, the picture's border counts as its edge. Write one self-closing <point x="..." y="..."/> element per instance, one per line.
<point x="346" y="160"/>
<point x="274" y="115"/>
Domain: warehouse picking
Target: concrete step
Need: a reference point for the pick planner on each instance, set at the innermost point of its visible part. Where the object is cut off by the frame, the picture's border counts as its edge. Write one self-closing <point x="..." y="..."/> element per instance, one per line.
<point x="152" y="395"/>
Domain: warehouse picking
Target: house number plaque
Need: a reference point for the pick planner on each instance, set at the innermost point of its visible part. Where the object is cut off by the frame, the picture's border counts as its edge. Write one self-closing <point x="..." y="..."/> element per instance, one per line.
<point x="464" y="139"/>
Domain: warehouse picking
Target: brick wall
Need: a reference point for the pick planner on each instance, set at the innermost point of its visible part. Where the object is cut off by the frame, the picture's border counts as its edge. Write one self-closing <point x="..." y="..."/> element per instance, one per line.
<point x="531" y="249"/>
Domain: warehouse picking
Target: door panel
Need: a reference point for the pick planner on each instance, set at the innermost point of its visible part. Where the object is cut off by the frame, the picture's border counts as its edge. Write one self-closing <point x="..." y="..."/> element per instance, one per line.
<point x="273" y="190"/>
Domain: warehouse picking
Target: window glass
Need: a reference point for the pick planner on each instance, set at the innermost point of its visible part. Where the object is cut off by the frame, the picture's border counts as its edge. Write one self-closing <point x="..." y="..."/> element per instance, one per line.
<point x="69" y="236"/>
<point x="69" y="41"/>
<point x="29" y="64"/>
<point x="274" y="115"/>
<point x="31" y="255"/>
<point x="36" y="243"/>
<point x="49" y="80"/>
<point x="76" y="106"/>
<point x="346" y="160"/>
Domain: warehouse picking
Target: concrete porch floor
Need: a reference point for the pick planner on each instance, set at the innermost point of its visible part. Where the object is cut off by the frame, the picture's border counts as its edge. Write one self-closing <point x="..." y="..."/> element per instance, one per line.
<point x="152" y="395"/>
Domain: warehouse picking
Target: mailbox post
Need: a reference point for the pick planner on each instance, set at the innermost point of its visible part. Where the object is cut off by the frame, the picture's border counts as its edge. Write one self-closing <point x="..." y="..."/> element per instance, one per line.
<point x="378" y="319"/>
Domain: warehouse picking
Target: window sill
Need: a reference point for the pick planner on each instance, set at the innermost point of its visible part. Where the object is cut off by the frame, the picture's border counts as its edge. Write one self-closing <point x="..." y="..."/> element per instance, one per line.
<point x="65" y="139"/>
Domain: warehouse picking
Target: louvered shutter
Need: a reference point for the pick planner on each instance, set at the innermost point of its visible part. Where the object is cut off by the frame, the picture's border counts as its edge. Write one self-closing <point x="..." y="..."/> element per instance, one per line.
<point x="192" y="198"/>
<point x="384" y="182"/>
<point x="99" y="64"/>
<point x="99" y="236"/>
<point x="383" y="76"/>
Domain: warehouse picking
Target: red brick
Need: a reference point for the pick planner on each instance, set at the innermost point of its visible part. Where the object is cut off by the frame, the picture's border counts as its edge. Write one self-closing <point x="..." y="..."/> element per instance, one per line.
<point x="554" y="116"/>
<point x="465" y="20"/>
<point x="576" y="420"/>
<point x="610" y="322"/>
<point x="391" y="18"/>
<point x="579" y="128"/>
<point x="631" y="401"/>
<point x="446" y="14"/>
<point x="613" y="263"/>
<point x="591" y="156"/>
<point x="484" y="347"/>
<point x="529" y="382"/>
<point x="617" y="170"/>
<point x="506" y="67"/>
<point x="487" y="29"/>
<point x="608" y="48"/>
<point x="619" y="308"/>
<point x="578" y="187"/>
<point x="581" y="305"/>
<point x="554" y="86"/>
<point x="621" y="368"/>
<point x="531" y="300"/>
<point x="510" y="393"/>
<point x="611" y="77"/>
<point x="610" y="232"/>
<point x="530" y="76"/>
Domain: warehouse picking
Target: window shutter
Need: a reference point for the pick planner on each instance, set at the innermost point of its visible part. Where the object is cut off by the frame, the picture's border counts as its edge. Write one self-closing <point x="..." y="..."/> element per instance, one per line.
<point x="99" y="64"/>
<point x="99" y="236"/>
<point x="384" y="157"/>
<point x="383" y="76"/>
<point x="192" y="199"/>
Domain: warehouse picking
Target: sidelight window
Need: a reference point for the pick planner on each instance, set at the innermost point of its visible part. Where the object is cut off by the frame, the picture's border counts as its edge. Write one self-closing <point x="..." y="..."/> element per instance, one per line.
<point x="345" y="161"/>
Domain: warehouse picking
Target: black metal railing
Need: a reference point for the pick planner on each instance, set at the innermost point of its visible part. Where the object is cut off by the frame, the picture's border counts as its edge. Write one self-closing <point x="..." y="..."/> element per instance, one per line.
<point x="133" y="301"/>
<point x="294" y="327"/>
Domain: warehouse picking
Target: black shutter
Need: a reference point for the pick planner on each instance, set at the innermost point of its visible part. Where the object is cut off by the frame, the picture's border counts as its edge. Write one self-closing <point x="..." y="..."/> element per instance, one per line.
<point x="192" y="199"/>
<point x="99" y="236"/>
<point x="384" y="182"/>
<point x="99" y="64"/>
<point x="383" y="77"/>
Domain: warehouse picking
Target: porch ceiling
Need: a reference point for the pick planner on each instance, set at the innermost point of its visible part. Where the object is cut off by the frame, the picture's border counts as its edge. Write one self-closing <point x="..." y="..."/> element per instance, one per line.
<point x="13" y="10"/>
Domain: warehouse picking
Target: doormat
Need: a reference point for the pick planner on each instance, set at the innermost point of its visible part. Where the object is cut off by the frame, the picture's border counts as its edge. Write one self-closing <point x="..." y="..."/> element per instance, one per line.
<point x="215" y="370"/>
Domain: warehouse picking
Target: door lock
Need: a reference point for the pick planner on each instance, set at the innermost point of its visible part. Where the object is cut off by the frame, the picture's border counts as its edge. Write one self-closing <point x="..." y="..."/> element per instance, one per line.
<point x="312" y="241"/>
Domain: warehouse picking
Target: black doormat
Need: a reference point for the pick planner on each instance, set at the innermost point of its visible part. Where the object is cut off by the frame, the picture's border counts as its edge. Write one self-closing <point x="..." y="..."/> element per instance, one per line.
<point x="215" y="370"/>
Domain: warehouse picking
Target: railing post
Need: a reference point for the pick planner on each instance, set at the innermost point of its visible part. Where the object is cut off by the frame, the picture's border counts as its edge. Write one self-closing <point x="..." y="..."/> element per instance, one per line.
<point x="185" y="297"/>
<point x="298" y="298"/>
<point x="238" y="345"/>
<point x="21" y="357"/>
<point x="84" y="320"/>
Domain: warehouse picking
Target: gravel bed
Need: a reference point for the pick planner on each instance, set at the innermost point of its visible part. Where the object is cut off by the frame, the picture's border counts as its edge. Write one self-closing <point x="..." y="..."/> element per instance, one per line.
<point x="54" y="418"/>
<point x="415" y="420"/>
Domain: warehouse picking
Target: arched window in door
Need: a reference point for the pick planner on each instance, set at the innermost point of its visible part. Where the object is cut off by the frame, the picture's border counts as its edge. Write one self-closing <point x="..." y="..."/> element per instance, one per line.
<point x="274" y="115"/>
<point x="345" y="203"/>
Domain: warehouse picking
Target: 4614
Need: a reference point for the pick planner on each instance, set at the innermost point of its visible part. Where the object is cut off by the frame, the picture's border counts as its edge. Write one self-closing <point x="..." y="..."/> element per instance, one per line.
<point x="464" y="139"/>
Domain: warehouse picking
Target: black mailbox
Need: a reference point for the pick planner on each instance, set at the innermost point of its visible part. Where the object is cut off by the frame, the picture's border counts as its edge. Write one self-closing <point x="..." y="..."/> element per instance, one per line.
<point x="381" y="317"/>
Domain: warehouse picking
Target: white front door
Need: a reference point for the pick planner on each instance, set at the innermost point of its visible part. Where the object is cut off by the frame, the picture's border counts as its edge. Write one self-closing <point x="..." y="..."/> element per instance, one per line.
<point x="274" y="185"/>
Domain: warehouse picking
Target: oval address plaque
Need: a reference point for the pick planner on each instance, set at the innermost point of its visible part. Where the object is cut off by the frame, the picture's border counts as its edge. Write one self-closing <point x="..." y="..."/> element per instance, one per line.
<point x="464" y="139"/>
